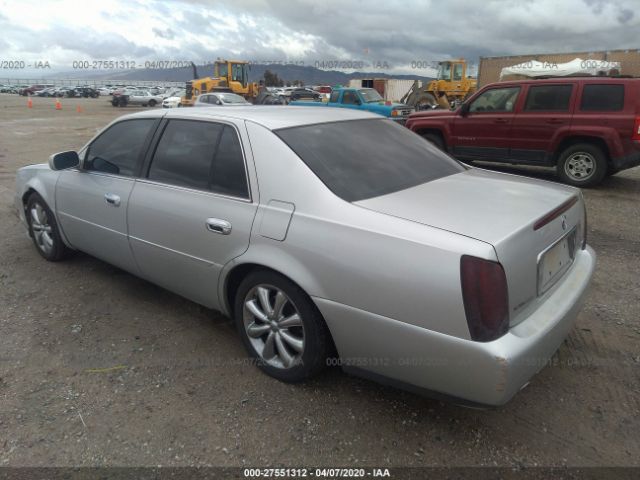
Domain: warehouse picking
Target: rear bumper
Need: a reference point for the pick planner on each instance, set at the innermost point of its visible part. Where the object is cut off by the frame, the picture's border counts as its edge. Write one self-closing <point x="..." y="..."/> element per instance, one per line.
<point x="477" y="373"/>
<point x="630" y="160"/>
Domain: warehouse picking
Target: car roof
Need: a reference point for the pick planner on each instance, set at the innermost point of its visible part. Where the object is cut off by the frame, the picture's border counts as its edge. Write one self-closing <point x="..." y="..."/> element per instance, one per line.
<point x="271" y="117"/>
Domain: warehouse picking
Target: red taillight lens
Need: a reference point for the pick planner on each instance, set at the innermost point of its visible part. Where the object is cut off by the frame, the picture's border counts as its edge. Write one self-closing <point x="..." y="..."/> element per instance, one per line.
<point x="636" y="130"/>
<point x="485" y="296"/>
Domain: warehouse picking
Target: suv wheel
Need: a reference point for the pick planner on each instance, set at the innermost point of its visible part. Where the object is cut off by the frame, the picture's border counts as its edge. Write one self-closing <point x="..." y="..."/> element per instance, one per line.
<point x="280" y="327"/>
<point x="582" y="165"/>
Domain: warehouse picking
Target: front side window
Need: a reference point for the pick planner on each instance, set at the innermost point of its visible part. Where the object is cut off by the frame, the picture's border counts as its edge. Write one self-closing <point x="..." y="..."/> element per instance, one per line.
<point x="602" y="98"/>
<point x="334" y="96"/>
<point x="362" y="159"/>
<point x="554" y="98"/>
<point x="118" y="150"/>
<point x="495" y="100"/>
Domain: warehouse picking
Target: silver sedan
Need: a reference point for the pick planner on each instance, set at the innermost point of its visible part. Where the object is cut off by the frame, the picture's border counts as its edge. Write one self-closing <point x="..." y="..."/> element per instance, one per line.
<point x="332" y="237"/>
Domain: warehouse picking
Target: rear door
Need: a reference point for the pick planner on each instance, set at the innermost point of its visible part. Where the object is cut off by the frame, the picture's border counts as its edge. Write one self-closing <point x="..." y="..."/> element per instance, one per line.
<point x="546" y="110"/>
<point x="91" y="202"/>
<point x="193" y="212"/>
<point x="483" y="134"/>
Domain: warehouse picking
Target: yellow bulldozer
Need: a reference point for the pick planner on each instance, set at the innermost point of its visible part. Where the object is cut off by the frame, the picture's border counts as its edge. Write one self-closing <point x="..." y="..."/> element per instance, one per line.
<point x="451" y="87"/>
<point x="228" y="76"/>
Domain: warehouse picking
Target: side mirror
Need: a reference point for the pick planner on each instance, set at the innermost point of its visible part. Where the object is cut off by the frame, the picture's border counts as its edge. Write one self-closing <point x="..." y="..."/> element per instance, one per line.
<point x="464" y="109"/>
<point x="64" y="160"/>
<point x="218" y="102"/>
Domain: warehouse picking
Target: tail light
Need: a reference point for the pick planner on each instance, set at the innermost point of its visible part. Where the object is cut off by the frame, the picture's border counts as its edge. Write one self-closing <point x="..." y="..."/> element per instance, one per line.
<point x="485" y="296"/>
<point x="636" y="130"/>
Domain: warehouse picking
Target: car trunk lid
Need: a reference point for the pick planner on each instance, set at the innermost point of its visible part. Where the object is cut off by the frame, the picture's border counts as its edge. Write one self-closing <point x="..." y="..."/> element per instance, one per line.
<point x="509" y="212"/>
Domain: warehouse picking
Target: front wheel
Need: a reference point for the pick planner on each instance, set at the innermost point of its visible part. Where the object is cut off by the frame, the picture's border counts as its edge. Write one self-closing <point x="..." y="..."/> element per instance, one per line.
<point x="582" y="165"/>
<point x="280" y="327"/>
<point x="152" y="103"/>
<point x="435" y="139"/>
<point x="44" y="231"/>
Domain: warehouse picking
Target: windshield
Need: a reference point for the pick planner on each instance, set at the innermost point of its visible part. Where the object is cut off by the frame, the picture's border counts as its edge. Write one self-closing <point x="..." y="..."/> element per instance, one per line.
<point x="231" y="98"/>
<point x="362" y="159"/>
<point x="370" y="95"/>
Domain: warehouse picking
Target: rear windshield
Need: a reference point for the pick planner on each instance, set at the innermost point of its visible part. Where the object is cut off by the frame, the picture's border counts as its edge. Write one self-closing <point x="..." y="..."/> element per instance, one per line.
<point x="363" y="159"/>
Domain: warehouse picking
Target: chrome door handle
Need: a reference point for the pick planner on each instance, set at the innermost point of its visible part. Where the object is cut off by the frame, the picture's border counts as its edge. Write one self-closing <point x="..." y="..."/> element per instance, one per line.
<point x="112" y="199"/>
<point x="217" y="225"/>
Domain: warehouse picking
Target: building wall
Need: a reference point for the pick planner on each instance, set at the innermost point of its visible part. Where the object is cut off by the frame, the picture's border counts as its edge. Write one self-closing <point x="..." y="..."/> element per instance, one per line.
<point x="490" y="67"/>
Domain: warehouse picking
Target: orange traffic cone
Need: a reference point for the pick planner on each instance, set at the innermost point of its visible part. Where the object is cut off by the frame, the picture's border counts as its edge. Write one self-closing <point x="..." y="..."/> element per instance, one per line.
<point x="58" y="104"/>
<point x="29" y="103"/>
<point x="78" y="109"/>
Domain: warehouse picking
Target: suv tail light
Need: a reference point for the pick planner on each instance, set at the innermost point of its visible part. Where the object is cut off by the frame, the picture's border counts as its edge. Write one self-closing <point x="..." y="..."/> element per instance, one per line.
<point x="636" y="130"/>
<point x="485" y="296"/>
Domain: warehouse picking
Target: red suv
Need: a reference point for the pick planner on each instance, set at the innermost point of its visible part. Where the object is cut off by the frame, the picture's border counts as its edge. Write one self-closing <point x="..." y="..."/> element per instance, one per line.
<point x="589" y="127"/>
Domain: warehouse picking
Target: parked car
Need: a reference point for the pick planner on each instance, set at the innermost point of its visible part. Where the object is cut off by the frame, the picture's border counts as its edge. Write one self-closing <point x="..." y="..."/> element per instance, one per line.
<point x="305" y="93"/>
<point x="363" y="99"/>
<point x="351" y="248"/>
<point x="84" y="92"/>
<point x="47" y="92"/>
<point x="30" y="90"/>
<point x="172" y="102"/>
<point x="587" y="127"/>
<point x="220" y="99"/>
<point x="145" y="99"/>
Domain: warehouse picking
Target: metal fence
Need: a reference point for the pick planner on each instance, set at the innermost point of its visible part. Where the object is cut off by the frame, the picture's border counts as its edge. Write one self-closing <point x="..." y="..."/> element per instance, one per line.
<point x="72" y="82"/>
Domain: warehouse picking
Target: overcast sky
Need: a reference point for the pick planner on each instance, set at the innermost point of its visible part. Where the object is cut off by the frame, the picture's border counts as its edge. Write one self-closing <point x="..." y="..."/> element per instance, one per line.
<point x="385" y="33"/>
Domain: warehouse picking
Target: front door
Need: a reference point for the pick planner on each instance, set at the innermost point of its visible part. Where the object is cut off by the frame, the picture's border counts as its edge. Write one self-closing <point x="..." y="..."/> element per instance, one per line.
<point x="483" y="133"/>
<point x="91" y="201"/>
<point x="193" y="212"/>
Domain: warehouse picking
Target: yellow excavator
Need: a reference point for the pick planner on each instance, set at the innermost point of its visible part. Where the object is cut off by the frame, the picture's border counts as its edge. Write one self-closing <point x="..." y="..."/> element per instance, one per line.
<point x="228" y="76"/>
<point x="451" y="87"/>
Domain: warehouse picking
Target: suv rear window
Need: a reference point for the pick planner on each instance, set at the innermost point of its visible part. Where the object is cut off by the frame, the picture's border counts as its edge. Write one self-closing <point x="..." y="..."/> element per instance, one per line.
<point x="548" y="98"/>
<point x="602" y="98"/>
<point x="362" y="159"/>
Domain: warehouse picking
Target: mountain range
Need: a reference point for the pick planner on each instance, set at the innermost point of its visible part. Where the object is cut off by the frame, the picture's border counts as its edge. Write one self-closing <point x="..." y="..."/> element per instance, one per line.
<point x="307" y="74"/>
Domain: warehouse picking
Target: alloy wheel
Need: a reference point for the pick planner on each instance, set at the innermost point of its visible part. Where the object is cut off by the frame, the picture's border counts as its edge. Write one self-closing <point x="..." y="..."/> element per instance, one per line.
<point x="273" y="326"/>
<point x="42" y="231"/>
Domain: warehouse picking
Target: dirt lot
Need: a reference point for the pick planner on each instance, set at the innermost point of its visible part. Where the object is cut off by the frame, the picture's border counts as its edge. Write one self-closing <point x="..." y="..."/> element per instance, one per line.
<point x="98" y="367"/>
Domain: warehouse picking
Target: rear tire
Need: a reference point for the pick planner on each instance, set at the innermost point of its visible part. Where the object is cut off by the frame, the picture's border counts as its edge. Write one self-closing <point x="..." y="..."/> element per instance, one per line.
<point x="152" y="103"/>
<point x="582" y="165"/>
<point x="426" y="101"/>
<point x="292" y="343"/>
<point x="44" y="230"/>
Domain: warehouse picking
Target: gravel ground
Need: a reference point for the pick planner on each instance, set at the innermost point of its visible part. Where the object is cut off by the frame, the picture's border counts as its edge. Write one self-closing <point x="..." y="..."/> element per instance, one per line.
<point x="98" y="367"/>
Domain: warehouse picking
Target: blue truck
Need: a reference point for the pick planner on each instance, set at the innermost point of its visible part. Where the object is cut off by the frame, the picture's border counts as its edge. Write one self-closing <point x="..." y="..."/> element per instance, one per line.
<point x="362" y="99"/>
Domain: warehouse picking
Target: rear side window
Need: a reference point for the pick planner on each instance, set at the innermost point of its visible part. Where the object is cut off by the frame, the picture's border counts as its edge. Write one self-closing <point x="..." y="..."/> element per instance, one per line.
<point x="228" y="176"/>
<point x="367" y="158"/>
<point x="548" y="98"/>
<point x="200" y="155"/>
<point x="118" y="149"/>
<point x="602" y="98"/>
<point x="185" y="154"/>
<point x="349" y="98"/>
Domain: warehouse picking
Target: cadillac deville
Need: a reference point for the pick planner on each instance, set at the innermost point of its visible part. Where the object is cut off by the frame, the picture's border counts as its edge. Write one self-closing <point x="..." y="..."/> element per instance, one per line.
<point x="328" y="230"/>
